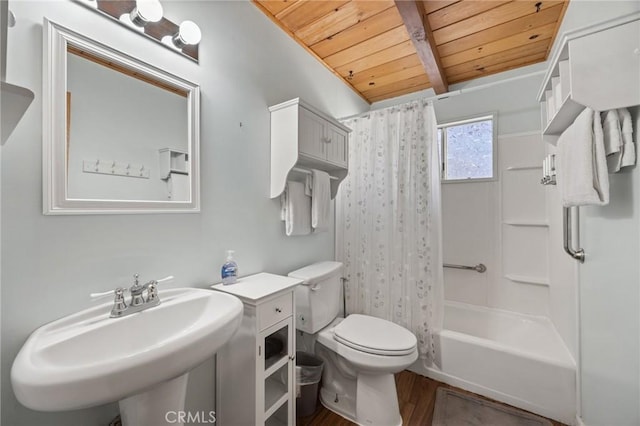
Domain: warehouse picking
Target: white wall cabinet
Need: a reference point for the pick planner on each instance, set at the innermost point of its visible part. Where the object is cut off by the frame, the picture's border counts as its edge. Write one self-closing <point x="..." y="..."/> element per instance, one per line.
<point x="255" y="370"/>
<point x="320" y="138"/>
<point x="304" y="137"/>
<point x="336" y="144"/>
<point x="595" y="67"/>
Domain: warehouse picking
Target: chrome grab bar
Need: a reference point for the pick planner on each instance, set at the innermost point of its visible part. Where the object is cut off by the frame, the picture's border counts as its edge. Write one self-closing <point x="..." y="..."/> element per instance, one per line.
<point x="478" y="268"/>
<point x="568" y="235"/>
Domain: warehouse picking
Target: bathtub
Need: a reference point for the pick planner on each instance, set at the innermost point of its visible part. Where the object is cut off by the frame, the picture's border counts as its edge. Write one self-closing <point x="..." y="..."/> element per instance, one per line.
<point x="517" y="359"/>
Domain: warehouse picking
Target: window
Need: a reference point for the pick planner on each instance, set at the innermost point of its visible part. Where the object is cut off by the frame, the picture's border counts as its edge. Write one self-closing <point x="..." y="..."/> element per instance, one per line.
<point x="467" y="149"/>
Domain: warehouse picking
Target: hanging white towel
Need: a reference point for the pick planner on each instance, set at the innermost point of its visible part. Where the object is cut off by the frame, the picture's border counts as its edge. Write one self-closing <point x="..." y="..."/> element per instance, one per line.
<point x="628" y="146"/>
<point x="297" y="210"/>
<point x="582" y="168"/>
<point x="612" y="140"/>
<point x="320" y="200"/>
<point x="308" y="185"/>
<point x="283" y="204"/>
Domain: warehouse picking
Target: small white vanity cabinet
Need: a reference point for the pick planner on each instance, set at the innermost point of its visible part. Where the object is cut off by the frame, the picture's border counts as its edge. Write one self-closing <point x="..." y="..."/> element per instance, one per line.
<point x="255" y="380"/>
<point x="303" y="136"/>
<point x="596" y="67"/>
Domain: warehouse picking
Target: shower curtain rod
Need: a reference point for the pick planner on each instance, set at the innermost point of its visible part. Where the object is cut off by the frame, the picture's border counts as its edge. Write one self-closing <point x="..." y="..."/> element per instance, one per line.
<point x="452" y="93"/>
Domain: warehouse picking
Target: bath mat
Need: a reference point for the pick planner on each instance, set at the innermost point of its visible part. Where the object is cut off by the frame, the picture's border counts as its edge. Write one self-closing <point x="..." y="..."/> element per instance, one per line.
<point x="454" y="408"/>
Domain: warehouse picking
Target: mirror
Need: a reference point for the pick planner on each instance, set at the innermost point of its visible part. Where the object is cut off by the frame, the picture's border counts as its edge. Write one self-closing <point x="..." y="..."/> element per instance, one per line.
<point x="119" y="135"/>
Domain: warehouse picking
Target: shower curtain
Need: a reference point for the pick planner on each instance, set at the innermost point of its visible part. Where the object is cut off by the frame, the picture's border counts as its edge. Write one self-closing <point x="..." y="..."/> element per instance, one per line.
<point x="388" y="221"/>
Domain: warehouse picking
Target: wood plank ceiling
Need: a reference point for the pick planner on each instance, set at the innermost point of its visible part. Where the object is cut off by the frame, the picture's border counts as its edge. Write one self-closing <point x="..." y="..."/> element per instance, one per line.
<point x="385" y="48"/>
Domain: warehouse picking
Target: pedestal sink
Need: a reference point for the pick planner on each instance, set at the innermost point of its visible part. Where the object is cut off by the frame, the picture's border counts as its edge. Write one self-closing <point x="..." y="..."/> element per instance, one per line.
<point x="141" y="360"/>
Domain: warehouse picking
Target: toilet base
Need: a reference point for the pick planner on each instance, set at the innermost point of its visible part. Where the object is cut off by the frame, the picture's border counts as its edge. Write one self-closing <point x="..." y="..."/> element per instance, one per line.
<point x="376" y="402"/>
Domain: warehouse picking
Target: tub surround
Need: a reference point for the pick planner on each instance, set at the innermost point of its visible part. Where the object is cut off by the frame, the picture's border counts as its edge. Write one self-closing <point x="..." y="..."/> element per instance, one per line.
<point x="494" y="353"/>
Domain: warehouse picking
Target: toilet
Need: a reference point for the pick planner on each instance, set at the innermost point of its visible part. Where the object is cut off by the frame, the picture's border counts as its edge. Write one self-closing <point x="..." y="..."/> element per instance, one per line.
<point x="361" y="353"/>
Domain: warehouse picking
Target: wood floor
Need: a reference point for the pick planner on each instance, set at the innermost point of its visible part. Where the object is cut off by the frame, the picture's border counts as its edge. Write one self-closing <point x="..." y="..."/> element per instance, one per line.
<point x="416" y="396"/>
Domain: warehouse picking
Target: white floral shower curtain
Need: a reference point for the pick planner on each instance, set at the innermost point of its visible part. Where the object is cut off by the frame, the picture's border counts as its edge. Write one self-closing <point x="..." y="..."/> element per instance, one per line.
<point x="388" y="230"/>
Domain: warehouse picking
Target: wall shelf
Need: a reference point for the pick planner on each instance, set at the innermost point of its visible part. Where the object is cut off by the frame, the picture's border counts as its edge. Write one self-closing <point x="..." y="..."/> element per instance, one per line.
<point x="173" y="161"/>
<point x="577" y="78"/>
<point x="530" y="223"/>
<point x="563" y="117"/>
<point x="15" y="101"/>
<point x="519" y="168"/>
<point x="303" y="137"/>
<point x="527" y="279"/>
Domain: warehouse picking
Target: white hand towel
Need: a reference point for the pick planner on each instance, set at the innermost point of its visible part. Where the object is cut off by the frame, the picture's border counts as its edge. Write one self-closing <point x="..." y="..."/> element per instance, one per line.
<point x="320" y="200"/>
<point x="283" y="204"/>
<point x="612" y="140"/>
<point x="582" y="168"/>
<point x="298" y="210"/>
<point x="308" y="185"/>
<point x="628" y="146"/>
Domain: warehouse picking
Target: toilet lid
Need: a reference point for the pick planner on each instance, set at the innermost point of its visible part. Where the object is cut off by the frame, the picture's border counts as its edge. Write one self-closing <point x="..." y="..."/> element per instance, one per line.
<point x="374" y="335"/>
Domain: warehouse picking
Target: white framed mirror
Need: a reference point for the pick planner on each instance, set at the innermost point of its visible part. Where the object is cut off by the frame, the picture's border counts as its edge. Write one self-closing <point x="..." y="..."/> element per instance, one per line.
<point x="120" y="136"/>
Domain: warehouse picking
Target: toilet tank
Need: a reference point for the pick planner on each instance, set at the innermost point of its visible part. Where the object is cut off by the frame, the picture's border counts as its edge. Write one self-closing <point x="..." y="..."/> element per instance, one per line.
<point x="318" y="298"/>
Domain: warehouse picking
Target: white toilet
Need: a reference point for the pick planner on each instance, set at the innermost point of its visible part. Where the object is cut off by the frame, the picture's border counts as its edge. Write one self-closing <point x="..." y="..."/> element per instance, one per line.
<point x="361" y="353"/>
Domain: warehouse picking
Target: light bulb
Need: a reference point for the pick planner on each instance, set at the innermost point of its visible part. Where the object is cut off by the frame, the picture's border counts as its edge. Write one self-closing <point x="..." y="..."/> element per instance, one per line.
<point x="146" y="11"/>
<point x="188" y="34"/>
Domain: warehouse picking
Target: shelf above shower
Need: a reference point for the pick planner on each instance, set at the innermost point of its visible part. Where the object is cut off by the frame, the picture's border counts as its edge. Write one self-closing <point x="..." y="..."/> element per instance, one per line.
<point x="527" y="279"/>
<point x="610" y="80"/>
<point x="535" y="223"/>
<point x="519" y="168"/>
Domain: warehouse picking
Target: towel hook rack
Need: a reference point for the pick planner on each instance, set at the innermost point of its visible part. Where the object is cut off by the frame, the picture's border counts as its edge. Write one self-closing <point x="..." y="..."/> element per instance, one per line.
<point x="568" y="235"/>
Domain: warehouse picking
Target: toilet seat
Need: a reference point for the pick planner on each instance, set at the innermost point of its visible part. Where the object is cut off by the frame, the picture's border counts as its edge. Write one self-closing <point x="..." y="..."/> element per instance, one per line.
<point x="374" y="336"/>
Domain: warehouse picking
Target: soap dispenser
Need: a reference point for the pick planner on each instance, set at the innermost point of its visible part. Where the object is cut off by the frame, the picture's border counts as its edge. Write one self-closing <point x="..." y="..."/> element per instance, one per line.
<point x="229" y="269"/>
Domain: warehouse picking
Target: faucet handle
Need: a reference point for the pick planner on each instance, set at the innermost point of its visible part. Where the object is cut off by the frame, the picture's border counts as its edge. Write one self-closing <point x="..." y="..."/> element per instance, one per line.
<point x="165" y="279"/>
<point x="117" y="292"/>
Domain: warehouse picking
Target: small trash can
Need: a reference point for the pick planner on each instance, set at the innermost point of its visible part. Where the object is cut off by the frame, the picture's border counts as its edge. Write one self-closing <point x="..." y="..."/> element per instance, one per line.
<point x="308" y="375"/>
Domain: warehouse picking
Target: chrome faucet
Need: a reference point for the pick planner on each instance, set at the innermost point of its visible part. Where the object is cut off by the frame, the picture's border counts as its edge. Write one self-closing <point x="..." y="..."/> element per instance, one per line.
<point x="138" y="302"/>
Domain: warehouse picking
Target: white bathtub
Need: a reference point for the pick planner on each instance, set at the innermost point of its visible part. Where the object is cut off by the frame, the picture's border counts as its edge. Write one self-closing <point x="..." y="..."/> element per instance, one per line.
<point x="517" y="359"/>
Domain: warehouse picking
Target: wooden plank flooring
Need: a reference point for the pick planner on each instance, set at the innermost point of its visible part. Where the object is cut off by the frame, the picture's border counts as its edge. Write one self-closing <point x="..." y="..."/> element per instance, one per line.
<point x="416" y="396"/>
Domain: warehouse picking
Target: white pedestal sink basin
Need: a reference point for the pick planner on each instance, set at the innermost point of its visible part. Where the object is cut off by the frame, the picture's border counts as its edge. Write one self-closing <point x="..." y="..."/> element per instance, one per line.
<point x="141" y="360"/>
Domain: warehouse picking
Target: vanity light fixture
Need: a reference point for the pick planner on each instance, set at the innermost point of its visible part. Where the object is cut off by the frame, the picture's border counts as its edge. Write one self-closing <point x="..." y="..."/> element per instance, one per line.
<point x="188" y="34"/>
<point x="146" y="18"/>
<point x="146" y="11"/>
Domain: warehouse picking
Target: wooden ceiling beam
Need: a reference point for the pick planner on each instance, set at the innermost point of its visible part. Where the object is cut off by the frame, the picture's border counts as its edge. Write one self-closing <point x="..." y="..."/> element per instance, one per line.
<point x="415" y="20"/>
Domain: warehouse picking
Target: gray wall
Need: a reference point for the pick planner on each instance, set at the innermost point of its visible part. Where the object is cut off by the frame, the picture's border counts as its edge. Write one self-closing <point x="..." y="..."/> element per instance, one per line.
<point x="610" y="303"/>
<point x="50" y="264"/>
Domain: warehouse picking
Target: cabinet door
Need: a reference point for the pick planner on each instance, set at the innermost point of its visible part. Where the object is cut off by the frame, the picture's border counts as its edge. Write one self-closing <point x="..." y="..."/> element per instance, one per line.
<point x="336" y="144"/>
<point x="605" y="67"/>
<point x="311" y="137"/>
<point x="277" y="405"/>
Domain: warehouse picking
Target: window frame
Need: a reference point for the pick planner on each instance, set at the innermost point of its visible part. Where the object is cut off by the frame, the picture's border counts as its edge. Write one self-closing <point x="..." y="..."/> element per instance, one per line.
<point x="493" y="116"/>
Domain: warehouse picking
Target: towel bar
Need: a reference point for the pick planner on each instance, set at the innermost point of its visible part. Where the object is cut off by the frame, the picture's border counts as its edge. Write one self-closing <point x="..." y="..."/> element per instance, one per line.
<point x="308" y="172"/>
<point x="568" y="235"/>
